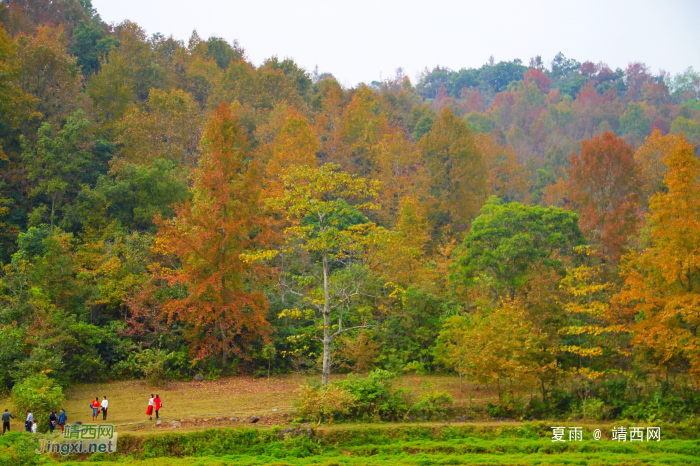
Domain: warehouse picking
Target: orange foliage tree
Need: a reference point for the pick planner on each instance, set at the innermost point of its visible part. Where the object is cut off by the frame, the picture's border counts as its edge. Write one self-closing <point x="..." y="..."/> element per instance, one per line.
<point x="507" y="179"/>
<point x="650" y="159"/>
<point x="294" y="144"/>
<point x="455" y="171"/>
<point x="209" y="233"/>
<point x="662" y="284"/>
<point x="604" y="188"/>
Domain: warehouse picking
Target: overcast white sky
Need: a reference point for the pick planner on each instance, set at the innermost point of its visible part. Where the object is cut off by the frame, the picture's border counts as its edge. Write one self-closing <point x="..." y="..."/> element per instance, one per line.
<point x="362" y="41"/>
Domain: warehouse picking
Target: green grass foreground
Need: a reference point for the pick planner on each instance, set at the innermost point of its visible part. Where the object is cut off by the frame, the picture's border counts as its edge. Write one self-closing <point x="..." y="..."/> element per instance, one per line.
<point x="527" y="444"/>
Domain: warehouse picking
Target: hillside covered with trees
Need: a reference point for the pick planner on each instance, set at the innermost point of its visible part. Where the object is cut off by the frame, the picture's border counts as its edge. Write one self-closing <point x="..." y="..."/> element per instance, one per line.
<point x="169" y="209"/>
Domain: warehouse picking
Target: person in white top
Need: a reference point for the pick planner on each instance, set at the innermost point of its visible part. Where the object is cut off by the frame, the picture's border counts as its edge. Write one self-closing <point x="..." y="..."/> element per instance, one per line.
<point x="33" y="427"/>
<point x="105" y="405"/>
<point x="149" y="410"/>
<point x="28" y="422"/>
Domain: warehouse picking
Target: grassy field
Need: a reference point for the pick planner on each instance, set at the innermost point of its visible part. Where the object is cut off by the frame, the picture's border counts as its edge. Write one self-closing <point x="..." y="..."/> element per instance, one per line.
<point x="208" y="437"/>
<point x="240" y="396"/>
<point x="390" y="444"/>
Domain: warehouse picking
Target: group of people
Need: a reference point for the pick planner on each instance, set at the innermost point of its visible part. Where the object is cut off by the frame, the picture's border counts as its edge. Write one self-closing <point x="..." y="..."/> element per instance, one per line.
<point x="55" y="420"/>
<point x="154" y="404"/>
<point x="96" y="406"/>
<point x="59" y="419"/>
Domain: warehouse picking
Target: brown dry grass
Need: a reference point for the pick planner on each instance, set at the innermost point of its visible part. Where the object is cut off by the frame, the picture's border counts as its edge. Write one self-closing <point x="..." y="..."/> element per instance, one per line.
<point x="240" y="396"/>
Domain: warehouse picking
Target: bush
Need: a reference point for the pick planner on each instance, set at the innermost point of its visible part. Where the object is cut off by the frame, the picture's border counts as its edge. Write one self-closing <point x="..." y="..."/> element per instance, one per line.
<point x="665" y="405"/>
<point x="375" y="396"/>
<point x="371" y="397"/>
<point x="433" y="405"/>
<point x="508" y="406"/>
<point x="558" y="403"/>
<point x="324" y="403"/>
<point x="17" y="448"/>
<point x="41" y="395"/>
<point x="157" y="366"/>
<point x="595" y="409"/>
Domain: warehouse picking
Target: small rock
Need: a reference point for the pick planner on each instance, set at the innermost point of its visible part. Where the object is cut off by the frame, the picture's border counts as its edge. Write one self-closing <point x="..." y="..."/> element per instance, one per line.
<point x="254" y="419"/>
<point x="287" y="433"/>
<point x="245" y="419"/>
<point x="175" y="424"/>
<point x="219" y="418"/>
<point x="198" y="378"/>
<point x="159" y="423"/>
<point x="77" y="423"/>
<point x="234" y="419"/>
<point x="274" y="410"/>
<point x="460" y="419"/>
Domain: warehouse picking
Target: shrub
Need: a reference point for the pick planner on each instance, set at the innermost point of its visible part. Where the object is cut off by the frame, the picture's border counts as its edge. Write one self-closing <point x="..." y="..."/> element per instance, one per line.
<point x="18" y="448"/>
<point x="157" y="366"/>
<point x="508" y="406"/>
<point x="324" y="403"/>
<point x="41" y="395"/>
<point x="595" y="409"/>
<point x="375" y="395"/>
<point x="433" y="404"/>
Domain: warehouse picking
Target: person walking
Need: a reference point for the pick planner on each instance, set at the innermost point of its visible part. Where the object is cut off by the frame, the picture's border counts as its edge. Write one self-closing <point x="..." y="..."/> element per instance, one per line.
<point x="53" y="419"/>
<point x="95" y="408"/>
<point x="62" y="420"/>
<point x="6" y="416"/>
<point x="105" y="405"/>
<point x="29" y="421"/>
<point x="149" y="410"/>
<point x="157" y="404"/>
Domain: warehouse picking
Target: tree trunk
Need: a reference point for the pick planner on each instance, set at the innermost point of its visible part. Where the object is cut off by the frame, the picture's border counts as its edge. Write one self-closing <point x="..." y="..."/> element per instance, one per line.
<point x="224" y="293"/>
<point x="326" y="350"/>
<point x="224" y="344"/>
<point x="327" y="340"/>
<point x="53" y="208"/>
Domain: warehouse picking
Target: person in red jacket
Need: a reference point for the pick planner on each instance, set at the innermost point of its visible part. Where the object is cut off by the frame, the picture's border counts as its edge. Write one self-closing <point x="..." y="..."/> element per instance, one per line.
<point x="157" y="404"/>
<point x="95" y="408"/>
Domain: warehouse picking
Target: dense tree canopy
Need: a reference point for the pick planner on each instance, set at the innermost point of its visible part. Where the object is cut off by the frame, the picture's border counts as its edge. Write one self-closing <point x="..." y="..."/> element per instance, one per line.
<point x="171" y="204"/>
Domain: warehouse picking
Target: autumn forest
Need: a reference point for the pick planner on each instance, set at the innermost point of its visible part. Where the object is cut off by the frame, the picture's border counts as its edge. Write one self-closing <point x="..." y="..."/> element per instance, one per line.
<point x="169" y="209"/>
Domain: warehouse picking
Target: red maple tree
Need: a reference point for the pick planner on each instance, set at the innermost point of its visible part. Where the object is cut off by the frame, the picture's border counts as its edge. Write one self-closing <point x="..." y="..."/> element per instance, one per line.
<point x="220" y="304"/>
<point x="604" y="187"/>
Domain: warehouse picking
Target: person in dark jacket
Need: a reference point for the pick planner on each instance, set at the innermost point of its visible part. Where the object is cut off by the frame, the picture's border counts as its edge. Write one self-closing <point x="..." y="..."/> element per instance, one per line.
<point x="62" y="420"/>
<point x="30" y="420"/>
<point x="6" y="416"/>
<point x="53" y="419"/>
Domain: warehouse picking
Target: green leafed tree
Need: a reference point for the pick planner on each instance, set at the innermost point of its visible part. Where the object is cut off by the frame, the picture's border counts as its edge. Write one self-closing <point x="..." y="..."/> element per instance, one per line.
<point x="342" y="249"/>
<point x="56" y="165"/>
<point x="508" y="241"/>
